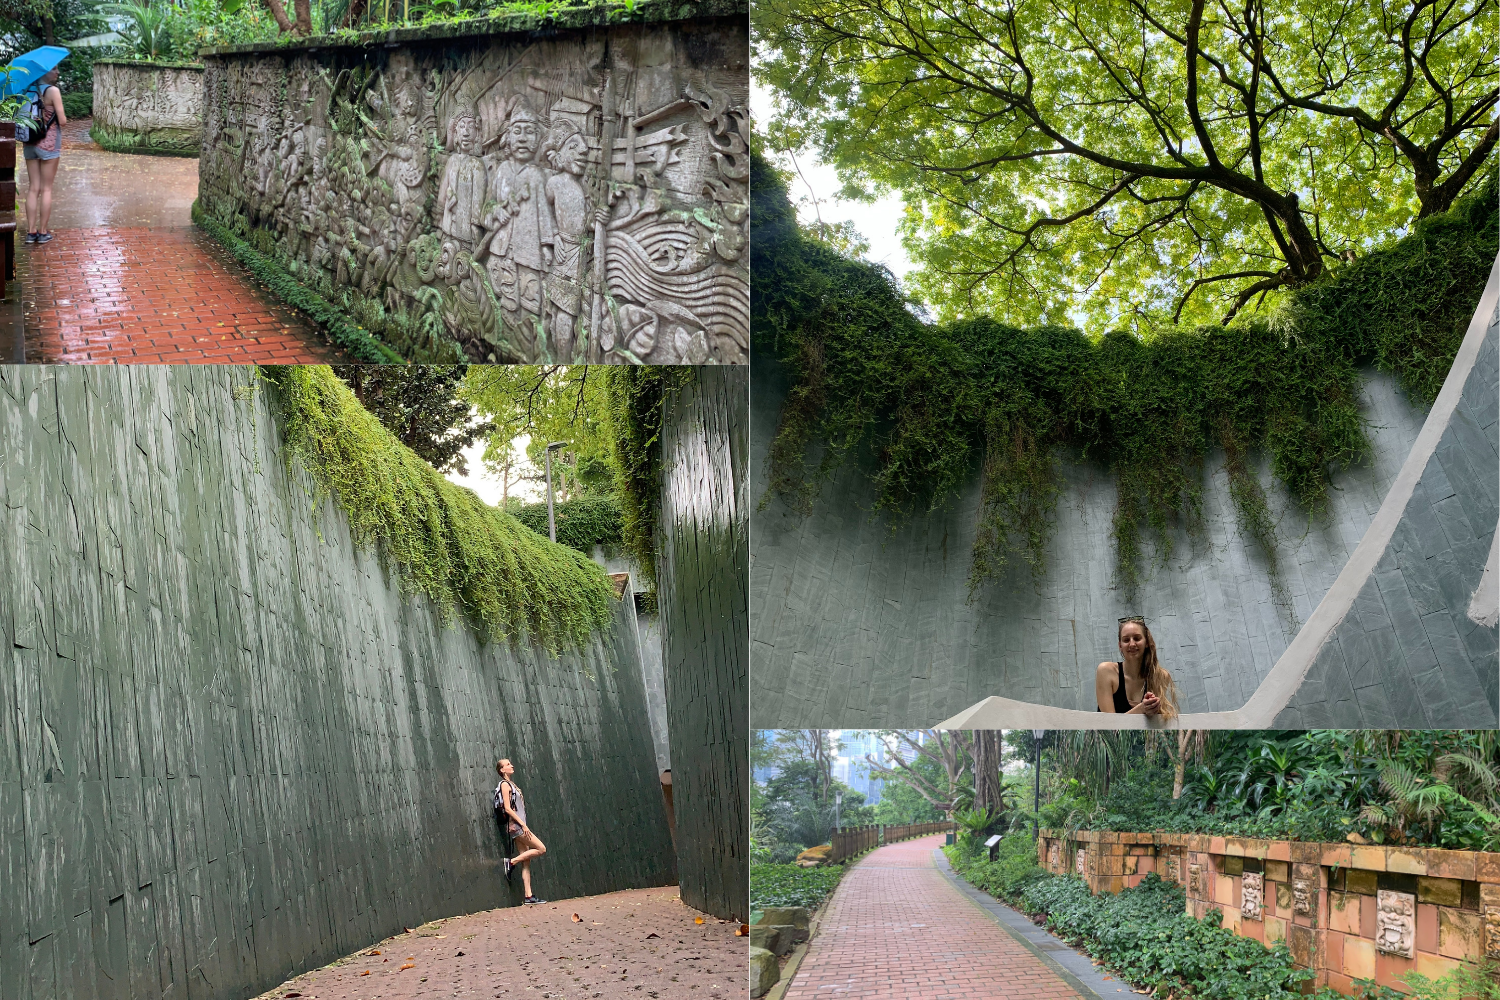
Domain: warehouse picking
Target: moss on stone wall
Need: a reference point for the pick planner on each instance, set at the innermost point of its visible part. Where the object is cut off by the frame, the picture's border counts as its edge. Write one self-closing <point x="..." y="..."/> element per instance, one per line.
<point x="468" y="558"/>
<point x="934" y="401"/>
<point x="581" y="17"/>
<point x="162" y="142"/>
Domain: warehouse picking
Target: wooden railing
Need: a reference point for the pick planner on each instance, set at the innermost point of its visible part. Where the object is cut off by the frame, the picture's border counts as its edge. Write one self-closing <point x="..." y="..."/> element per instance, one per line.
<point x="851" y="841"/>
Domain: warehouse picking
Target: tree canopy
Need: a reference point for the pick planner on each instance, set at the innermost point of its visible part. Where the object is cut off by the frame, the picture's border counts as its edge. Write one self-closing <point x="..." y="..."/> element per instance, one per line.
<point x="1136" y="163"/>
<point x="420" y="405"/>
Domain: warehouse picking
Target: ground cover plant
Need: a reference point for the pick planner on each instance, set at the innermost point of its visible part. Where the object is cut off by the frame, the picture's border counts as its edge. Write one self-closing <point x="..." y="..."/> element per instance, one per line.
<point x="1144" y="935"/>
<point x="789" y="885"/>
<point x="472" y="561"/>
<point x="933" y="403"/>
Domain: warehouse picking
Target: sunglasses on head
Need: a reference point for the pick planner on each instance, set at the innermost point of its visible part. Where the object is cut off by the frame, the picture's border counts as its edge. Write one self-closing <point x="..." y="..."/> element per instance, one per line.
<point x="1138" y="619"/>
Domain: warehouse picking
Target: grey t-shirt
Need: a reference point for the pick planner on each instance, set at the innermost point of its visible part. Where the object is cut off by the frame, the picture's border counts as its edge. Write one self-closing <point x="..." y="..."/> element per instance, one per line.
<point x="517" y="803"/>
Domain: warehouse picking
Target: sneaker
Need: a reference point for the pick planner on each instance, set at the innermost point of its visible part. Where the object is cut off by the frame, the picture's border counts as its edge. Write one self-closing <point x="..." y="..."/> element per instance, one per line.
<point x="508" y="867"/>
<point x="44" y="237"/>
<point x="31" y="237"/>
<point x="532" y="899"/>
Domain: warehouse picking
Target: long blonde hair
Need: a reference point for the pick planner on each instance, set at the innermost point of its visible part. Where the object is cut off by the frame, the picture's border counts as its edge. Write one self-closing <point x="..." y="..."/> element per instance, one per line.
<point x="1158" y="679"/>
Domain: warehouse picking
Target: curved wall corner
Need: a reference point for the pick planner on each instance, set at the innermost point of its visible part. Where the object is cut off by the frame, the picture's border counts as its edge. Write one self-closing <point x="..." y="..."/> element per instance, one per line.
<point x="702" y="571"/>
<point x="854" y="625"/>
<point x="230" y="750"/>
<point x="146" y="107"/>
<point x="1397" y="647"/>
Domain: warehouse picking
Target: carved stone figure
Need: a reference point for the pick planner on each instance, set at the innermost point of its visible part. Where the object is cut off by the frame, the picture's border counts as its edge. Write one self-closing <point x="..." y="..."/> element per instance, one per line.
<point x="1396" y="923"/>
<point x="1195" y="879"/>
<point x="462" y="190"/>
<point x="1174" y="869"/>
<point x="151" y="108"/>
<point x="1080" y="863"/>
<point x="1302" y="893"/>
<point x="1252" y="895"/>
<point x="1054" y="858"/>
<point x="1492" y="929"/>
<point x="570" y="199"/>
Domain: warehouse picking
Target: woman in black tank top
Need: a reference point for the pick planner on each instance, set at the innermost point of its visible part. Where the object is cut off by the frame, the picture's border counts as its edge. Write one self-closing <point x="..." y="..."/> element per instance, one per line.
<point x="1137" y="683"/>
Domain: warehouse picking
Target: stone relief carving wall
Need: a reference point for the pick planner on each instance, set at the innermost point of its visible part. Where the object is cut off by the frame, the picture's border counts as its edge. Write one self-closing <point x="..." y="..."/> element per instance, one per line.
<point x="1491" y="921"/>
<point x="1396" y="923"/>
<point x="1252" y="895"/>
<point x="1054" y="859"/>
<point x="153" y="108"/>
<point x="582" y="196"/>
<point x="1174" y="869"/>
<point x="1080" y="863"/>
<point x="1195" y="878"/>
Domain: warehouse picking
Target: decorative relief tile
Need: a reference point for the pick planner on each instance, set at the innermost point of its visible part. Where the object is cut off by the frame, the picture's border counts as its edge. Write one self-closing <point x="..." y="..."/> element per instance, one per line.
<point x="1252" y="895"/>
<point x="1396" y="923"/>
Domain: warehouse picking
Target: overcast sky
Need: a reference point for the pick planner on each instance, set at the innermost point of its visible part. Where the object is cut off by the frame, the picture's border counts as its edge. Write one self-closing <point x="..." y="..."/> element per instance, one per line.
<point x="876" y="222"/>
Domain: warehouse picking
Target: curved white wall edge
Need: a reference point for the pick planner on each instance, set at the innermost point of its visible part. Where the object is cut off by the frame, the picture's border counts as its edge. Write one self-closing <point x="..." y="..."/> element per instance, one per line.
<point x="1291" y="669"/>
<point x="1485" y="608"/>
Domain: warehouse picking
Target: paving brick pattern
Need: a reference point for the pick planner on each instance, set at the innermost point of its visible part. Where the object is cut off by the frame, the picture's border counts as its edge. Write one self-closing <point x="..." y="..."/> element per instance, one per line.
<point x="641" y="943"/>
<point x="897" y="930"/>
<point x="155" y="295"/>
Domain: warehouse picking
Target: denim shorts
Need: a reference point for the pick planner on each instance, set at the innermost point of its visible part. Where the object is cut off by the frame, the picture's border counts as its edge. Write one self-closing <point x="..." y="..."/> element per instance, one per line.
<point x="32" y="153"/>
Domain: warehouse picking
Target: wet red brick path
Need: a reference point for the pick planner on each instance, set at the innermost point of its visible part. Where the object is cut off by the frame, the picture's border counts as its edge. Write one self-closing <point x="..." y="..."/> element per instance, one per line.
<point x="642" y="944"/>
<point x="129" y="278"/>
<point x="897" y="930"/>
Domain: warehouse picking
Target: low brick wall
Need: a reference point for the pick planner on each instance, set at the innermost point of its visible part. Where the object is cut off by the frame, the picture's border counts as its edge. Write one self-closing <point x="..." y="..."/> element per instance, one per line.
<point x="1347" y="912"/>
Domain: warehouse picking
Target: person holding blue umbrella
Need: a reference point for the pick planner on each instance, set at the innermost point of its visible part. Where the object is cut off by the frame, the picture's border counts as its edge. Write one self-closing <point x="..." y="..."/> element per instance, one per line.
<point x="36" y="73"/>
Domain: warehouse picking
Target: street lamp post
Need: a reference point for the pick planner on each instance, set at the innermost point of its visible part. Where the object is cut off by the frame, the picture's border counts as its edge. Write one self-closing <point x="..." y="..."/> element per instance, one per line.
<point x="1036" y="802"/>
<point x="551" y="520"/>
<point x="838" y="801"/>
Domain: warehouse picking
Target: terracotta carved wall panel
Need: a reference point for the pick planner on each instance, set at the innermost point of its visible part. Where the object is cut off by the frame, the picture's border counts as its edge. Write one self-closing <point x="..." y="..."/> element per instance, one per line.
<point x="1080" y="862"/>
<point x="1396" y="923"/>
<point x="1195" y="879"/>
<point x="153" y="108"/>
<point x="1174" y="869"/>
<point x="1252" y="895"/>
<point x="581" y="196"/>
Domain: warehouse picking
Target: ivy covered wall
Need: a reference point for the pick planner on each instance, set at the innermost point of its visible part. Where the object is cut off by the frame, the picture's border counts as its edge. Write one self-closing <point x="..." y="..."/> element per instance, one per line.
<point x="231" y="748"/>
<point x="577" y="193"/>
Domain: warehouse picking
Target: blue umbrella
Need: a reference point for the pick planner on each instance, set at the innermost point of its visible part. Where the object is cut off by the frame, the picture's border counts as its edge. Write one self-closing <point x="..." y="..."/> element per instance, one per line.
<point x="28" y="69"/>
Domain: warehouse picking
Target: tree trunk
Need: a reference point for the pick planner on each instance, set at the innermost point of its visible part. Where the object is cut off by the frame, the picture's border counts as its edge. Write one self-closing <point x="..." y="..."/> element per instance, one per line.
<point x="987" y="770"/>
<point x="304" y="17"/>
<point x="279" y="13"/>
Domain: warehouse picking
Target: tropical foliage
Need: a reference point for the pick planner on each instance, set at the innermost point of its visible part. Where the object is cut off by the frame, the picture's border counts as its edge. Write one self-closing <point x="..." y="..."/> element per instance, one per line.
<point x="1133" y="163"/>
<point x="1434" y="788"/>
<point x="789" y="885"/>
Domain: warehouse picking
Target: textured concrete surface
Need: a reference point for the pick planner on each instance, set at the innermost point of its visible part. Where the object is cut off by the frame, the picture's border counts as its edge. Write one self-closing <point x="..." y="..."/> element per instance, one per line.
<point x="643" y="943"/>
<point x="897" y="929"/>
<point x="701" y="576"/>
<point x="1407" y="654"/>
<point x="230" y="750"/>
<point x="856" y="625"/>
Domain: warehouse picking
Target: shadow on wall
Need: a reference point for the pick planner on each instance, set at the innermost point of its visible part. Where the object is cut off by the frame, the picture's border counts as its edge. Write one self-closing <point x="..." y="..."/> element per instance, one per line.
<point x="230" y="750"/>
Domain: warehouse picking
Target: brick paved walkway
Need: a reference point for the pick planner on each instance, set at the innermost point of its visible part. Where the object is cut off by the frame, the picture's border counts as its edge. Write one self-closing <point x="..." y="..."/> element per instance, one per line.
<point x="897" y="930"/>
<point x="128" y="277"/>
<point x="642" y="944"/>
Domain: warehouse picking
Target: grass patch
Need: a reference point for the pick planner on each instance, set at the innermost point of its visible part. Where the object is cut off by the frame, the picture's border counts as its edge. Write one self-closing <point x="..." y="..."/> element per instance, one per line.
<point x="471" y="560"/>
<point x="353" y="339"/>
<point x="789" y="885"/>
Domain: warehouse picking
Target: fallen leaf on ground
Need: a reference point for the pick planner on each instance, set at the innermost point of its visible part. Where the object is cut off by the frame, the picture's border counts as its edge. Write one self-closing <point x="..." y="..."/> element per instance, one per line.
<point x="365" y="973"/>
<point x="459" y="955"/>
<point x="697" y="920"/>
<point x="373" y="953"/>
<point x="653" y="934"/>
<point x="577" y="919"/>
<point x="742" y="930"/>
<point x="408" y="965"/>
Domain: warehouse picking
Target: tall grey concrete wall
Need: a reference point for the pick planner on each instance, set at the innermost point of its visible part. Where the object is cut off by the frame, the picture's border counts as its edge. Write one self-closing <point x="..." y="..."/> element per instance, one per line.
<point x="230" y="750"/>
<point x="701" y="578"/>
<point x="858" y="626"/>
<point x="1406" y="653"/>
<point x="578" y="192"/>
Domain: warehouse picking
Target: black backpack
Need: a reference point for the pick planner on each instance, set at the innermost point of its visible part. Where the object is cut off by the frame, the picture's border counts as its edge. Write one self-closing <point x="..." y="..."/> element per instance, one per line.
<point x="42" y="115"/>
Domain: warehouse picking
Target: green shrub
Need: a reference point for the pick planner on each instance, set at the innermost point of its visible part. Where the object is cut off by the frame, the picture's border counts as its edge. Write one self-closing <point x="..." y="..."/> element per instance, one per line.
<point x="637" y="404"/>
<point x="78" y="105"/>
<point x="582" y="522"/>
<point x="789" y="885"/>
<point x="470" y="559"/>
